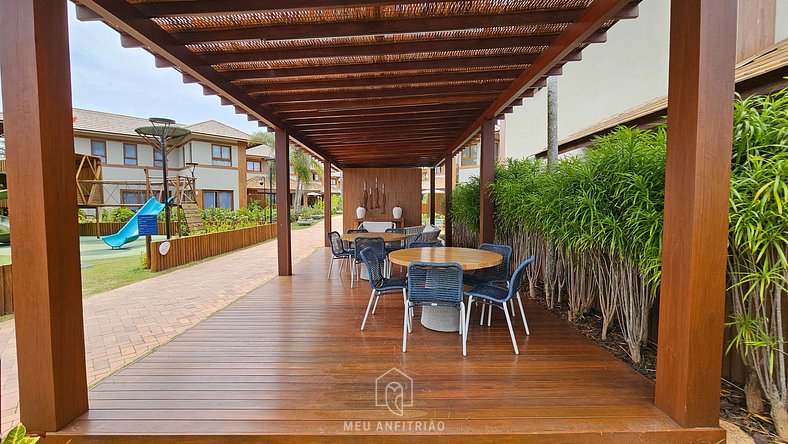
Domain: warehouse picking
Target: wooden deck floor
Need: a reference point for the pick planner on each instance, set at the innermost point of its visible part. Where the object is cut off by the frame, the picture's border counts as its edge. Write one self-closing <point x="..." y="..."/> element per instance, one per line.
<point x="289" y="362"/>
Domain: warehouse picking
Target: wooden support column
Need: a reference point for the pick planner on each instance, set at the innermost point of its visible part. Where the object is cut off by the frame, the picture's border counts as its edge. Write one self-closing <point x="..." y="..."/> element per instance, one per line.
<point x="432" y="195"/>
<point x="486" y="177"/>
<point x="283" y="202"/>
<point x="700" y="131"/>
<point x="327" y="199"/>
<point x="47" y="283"/>
<point x="448" y="185"/>
<point x="552" y="121"/>
<point x="242" y="194"/>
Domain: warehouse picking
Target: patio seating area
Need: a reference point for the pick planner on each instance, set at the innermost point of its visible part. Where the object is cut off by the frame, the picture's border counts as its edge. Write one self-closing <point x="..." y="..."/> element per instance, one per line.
<point x="288" y="362"/>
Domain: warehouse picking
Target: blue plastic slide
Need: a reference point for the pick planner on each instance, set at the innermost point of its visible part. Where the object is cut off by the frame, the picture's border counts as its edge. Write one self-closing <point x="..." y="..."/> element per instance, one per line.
<point x="130" y="232"/>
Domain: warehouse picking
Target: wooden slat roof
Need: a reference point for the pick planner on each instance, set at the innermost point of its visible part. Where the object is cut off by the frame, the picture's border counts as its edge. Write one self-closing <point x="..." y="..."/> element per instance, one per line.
<point x="365" y="82"/>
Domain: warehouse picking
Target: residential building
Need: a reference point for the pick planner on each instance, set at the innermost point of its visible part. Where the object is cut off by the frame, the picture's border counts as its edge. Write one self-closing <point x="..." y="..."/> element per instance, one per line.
<point x="628" y="73"/>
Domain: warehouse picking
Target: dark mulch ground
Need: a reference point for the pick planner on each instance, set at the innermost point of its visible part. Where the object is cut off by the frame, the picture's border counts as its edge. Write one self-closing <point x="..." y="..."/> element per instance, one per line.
<point x="732" y="402"/>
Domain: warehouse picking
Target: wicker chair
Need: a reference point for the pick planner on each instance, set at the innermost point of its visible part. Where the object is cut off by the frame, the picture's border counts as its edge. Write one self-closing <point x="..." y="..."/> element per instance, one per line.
<point x="497" y="296"/>
<point x="375" y="243"/>
<point x="497" y="275"/>
<point x="434" y="285"/>
<point x="377" y="280"/>
<point x="338" y="251"/>
<point x="394" y="246"/>
<point x="359" y="230"/>
<point x="427" y="236"/>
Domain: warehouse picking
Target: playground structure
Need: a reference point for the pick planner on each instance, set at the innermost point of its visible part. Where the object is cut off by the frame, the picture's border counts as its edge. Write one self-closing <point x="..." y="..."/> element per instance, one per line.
<point x="96" y="193"/>
<point x="131" y="232"/>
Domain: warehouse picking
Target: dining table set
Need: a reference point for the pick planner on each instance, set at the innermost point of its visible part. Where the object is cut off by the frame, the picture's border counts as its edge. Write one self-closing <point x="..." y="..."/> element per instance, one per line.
<point x="444" y="281"/>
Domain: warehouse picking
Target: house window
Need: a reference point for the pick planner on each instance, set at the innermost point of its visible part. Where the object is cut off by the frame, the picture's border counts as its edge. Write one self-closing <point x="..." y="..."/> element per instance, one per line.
<point x="132" y="197"/>
<point x="254" y="165"/>
<point x="158" y="161"/>
<point x="99" y="148"/>
<point x="217" y="199"/>
<point x="130" y="154"/>
<point x="220" y="155"/>
<point x="470" y="156"/>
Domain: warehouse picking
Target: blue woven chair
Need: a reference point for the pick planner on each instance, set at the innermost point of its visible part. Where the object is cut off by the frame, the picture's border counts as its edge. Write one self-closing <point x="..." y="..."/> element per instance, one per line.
<point x="377" y="280"/>
<point x="497" y="275"/>
<point x="375" y="243"/>
<point x="338" y="251"/>
<point x="435" y="243"/>
<point x="497" y="296"/>
<point x="434" y="285"/>
<point x="394" y="246"/>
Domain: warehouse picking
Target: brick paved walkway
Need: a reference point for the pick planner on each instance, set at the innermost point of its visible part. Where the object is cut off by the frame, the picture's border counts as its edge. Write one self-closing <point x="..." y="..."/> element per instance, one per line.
<point x="124" y="324"/>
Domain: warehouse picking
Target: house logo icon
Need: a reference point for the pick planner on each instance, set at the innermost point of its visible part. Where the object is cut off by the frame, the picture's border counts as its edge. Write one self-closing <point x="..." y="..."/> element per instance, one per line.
<point x="394" y="390"/>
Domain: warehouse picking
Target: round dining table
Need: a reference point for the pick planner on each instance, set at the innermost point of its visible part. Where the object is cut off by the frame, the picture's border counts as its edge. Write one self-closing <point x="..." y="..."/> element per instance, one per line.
<point x="445" y="318"/>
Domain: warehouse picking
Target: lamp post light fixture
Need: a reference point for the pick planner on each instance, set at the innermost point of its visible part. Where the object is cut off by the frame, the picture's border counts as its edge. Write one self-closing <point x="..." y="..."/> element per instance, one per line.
<point x="163" y="134"/>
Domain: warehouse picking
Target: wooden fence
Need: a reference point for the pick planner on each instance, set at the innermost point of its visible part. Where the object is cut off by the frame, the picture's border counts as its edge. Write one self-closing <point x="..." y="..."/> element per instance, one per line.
<point x="193" y="248"/>
<point x="7" y="302"/>
<point x="107" y="228"/>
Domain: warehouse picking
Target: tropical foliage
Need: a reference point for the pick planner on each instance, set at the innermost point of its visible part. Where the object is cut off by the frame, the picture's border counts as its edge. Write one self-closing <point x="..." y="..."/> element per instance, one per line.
<point x="758" y="240"/>
<point x="17" y="436"/>
<point x="118" y="214"/>
<point x="219" y="219"/>
<point x="601" y="216"/>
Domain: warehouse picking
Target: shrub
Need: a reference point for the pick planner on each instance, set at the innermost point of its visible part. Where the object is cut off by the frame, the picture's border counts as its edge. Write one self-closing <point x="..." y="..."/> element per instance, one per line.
<point x="119" y="214"/>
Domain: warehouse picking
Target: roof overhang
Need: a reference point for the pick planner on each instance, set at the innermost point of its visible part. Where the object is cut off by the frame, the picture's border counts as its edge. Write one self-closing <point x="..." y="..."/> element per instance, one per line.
<point x="366" y="82"/>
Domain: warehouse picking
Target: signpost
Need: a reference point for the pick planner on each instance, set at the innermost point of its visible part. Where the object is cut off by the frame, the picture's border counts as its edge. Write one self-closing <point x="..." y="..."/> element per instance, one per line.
<point x="148" y="225"/>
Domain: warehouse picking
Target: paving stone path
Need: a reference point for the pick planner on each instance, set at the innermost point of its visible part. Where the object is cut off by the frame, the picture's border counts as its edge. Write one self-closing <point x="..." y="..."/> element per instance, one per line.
<point x="124" y="324"/>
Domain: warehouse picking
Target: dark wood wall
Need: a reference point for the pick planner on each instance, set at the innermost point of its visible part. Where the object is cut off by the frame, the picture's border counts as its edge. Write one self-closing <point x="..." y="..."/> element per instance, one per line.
<point x="402" y="185"/>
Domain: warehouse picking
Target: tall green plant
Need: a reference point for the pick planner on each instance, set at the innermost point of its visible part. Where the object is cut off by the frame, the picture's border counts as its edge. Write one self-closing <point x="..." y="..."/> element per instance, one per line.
<point x="758" y="245"/>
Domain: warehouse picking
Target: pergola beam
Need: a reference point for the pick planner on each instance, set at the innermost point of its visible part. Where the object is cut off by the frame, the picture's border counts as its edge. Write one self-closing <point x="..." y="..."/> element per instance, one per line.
<point x="282" y="156"/>
<point x="697" y="190"/>
<point x="47" y="287"/>
<point x="395" y="91"/>
<point x="427" y="23"/>
<point x="333" y="114"/>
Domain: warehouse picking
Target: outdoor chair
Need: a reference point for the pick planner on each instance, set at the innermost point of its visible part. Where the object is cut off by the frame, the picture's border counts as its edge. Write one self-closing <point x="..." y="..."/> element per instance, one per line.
<point x="394" y="246"/>
<point x="375" y="243"/>
<point x="338" y="251"/>
<point x="497" y="296"/>
<point x="435" y="243"/>
<point x="359" y="230"/>
<point x="497" y="275"/>
<point x="379" y="283"/>
<point x="434" y="285"/>
<point x="427" y="236"/>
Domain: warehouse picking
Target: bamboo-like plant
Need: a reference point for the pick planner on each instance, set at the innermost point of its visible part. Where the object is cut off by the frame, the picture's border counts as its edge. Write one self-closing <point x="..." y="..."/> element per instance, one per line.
<point x="758" y="246"/>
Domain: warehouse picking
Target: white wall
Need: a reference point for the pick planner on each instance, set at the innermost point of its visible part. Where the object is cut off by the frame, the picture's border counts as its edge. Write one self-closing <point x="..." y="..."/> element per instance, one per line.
<point x="631" y="68"/>
<point x="781" y="27"/>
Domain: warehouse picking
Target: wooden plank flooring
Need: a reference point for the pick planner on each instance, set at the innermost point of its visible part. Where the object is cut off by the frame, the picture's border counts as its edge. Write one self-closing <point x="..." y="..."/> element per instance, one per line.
<point x="289" y="363"/>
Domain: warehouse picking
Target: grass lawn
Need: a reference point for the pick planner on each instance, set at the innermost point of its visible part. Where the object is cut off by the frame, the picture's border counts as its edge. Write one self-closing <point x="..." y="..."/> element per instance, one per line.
<point x="107" y="274"/>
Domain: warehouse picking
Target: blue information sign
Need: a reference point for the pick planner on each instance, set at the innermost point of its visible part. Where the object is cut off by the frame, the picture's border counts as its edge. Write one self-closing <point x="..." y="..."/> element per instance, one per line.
<point x="147" y="224"/>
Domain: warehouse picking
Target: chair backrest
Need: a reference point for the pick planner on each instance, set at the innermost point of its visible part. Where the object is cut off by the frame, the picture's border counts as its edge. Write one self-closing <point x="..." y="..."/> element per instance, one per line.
<point x="501" y="269"/>
<point x="360" y="230"/>
<point x="439" y="284"/>
<point x="377" y="226"/>
<point x="395" y="230"/>
<point x="335" y="240"/>
<point x="517" y="277"/>
<point x="375" y="243"/>
<point x="427" y="236"/>
<point x="435" y="243"/>
<point x="374" y="264"/>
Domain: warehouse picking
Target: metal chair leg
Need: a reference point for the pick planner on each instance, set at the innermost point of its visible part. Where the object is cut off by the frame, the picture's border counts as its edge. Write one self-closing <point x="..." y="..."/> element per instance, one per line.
<point x="511" y="330"/>
<point x="405" y="329"/>
<point x="489" y="315"/>
<point x="468" y="314"/>
<point x="522" y="313"/>
<point x="481" y="319"/>
<point x="375" y="307"/>
<point x="366" y="314"/>
<point x="462" y="328"/>
<point x="330" y="266"/>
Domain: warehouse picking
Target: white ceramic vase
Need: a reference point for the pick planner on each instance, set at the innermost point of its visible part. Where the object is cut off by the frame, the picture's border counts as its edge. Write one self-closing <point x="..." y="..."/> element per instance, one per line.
<point x="361" y="212"/>
<point x="397" y="212"/>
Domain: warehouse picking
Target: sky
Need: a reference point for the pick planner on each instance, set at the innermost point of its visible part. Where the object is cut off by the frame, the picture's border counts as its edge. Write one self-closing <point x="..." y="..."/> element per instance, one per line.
<point x="107" y="77"/>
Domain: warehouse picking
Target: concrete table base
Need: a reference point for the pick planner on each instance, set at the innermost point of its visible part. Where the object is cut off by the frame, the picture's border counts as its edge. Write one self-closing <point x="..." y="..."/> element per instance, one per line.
<point x="445" y="319"/>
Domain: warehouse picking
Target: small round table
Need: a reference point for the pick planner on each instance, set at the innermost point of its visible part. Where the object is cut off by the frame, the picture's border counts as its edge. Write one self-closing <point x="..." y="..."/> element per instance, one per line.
<point x="445" y="318"/>
<point x="387" y="237"/>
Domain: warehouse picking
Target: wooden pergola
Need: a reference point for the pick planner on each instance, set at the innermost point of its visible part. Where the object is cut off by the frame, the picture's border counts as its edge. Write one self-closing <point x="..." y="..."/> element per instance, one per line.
<point x="363" y="83"/>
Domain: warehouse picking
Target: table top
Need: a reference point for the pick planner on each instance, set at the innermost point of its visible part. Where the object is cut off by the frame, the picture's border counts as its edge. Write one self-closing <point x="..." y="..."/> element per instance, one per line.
<point x="387" y="237"/>
<point x="468" y="258"/>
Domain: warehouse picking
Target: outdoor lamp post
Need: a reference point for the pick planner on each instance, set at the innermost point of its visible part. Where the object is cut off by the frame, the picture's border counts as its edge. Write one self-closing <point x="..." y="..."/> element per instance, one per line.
<point x="161" y="134"/>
